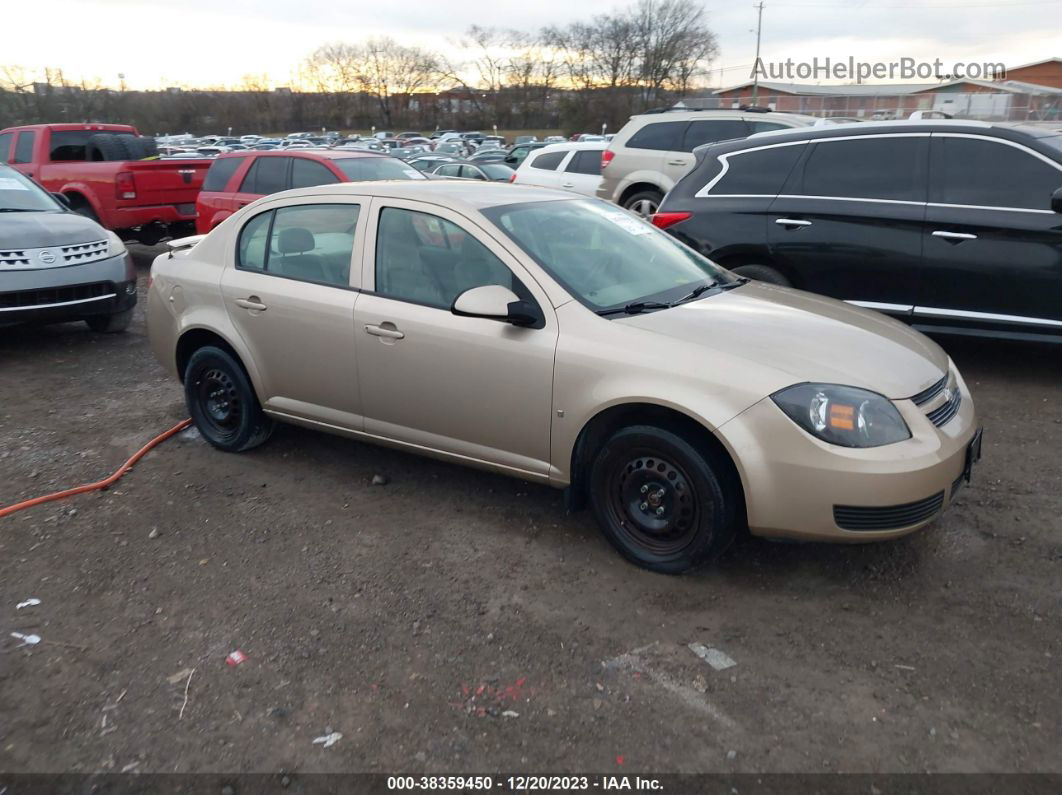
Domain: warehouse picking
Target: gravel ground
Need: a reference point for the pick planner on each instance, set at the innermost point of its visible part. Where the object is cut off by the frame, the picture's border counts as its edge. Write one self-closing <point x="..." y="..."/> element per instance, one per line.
<point x="456" y="621"/>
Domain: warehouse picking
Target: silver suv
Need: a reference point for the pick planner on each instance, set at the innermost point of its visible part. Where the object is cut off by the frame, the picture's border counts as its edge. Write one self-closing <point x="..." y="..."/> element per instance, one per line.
<point x="653" y="151"/>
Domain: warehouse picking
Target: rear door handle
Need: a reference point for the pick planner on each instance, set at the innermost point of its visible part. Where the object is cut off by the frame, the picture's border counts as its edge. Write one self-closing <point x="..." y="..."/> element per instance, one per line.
<point x="678" y="162"/>
<point x="253" y="303"/>
<point x="567" y="184"/>
<point x="792" y="222"/>
<point x="954" y="235"/>
<point x="380" y="331"/>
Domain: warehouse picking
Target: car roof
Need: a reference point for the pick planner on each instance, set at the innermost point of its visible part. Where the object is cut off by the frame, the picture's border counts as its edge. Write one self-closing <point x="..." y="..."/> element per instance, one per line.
<point x="466" y="195"/>
<point x="1004" y="130"/>
<point x="573" y="146"/>
<point x="324" y="154"/>
<point x="687" y="114"/>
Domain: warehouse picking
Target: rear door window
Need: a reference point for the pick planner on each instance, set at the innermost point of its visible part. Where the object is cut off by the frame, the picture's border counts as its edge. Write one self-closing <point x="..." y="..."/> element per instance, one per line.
<point x="662" y="135"/>
<point x="24" y="147"/>
<point x="870" y="168"/>
<point x="984" y="173"/>
<point x="308" y="173"/>
<point x="708" y="131"/>
<point x="307" y="242"/>
<point x="548" y="161"/>
<point x="586" y="161"/>
<point x="220" y="172"/>
<point x="267" y="175"/>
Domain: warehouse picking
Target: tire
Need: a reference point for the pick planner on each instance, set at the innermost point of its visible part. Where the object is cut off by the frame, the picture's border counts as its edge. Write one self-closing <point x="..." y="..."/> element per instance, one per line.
<point x="138" y="147"/>
<point x="110" y="324"/>
<point x="762" y="273"/>
<point x="105" y="146"/>
<point x="695" y="496"/>
<point x="81" y="206"/>
<point x="644" y="202"/>
<point x="222" y="401"/>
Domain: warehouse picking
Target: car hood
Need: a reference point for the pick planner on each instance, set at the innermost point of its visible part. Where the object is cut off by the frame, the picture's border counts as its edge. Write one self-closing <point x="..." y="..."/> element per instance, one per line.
<point x="809" y="337"/>
<point x="40" y="230"/>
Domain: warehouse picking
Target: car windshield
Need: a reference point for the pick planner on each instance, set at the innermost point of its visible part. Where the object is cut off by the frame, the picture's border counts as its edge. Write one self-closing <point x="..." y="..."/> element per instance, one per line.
<point x="359" y="169"/>
<point x="18" y="194"/>
<point x="604" y="256"/>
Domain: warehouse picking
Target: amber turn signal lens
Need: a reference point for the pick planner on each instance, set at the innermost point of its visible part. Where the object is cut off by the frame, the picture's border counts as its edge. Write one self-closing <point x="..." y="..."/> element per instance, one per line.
<point x="842" y="417"/>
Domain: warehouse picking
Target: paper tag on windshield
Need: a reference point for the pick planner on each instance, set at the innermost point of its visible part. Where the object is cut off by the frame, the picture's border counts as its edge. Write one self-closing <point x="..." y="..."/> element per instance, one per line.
<point x="622" y="219"/>
<point x="6" y="183"/>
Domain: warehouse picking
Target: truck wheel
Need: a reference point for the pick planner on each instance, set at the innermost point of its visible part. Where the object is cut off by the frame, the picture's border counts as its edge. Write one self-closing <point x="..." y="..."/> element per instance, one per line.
<point x="222" y="401"/>
<point x="110" y="324"/>
<point x="644" y="202"/>
<point x="80" y="205"/>
<point x="105" y="146"/>
<point x="661" y="502"/>
<point x="762" y="273"/>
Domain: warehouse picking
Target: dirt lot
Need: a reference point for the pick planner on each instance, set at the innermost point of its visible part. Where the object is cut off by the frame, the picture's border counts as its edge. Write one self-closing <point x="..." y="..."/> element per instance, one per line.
<point x="410" y="617"/>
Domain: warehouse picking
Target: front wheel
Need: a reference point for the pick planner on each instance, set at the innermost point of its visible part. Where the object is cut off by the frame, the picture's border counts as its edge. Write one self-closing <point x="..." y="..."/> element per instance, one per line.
<point x="222" y="401"/>
<point x="663" y="504"/>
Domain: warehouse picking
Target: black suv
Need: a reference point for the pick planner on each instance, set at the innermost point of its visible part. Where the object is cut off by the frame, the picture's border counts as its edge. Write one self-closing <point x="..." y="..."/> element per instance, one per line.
<point x="955" y="226"/>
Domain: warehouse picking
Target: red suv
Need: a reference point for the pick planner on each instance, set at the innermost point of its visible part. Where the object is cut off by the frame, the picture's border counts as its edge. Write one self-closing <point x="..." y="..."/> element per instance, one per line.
<point x="238" y="178"/>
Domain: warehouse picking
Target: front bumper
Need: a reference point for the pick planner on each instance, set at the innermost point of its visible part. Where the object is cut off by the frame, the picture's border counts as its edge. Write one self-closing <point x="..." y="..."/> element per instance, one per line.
<point x="799" y="487"/>
<point x="55" y="295"/>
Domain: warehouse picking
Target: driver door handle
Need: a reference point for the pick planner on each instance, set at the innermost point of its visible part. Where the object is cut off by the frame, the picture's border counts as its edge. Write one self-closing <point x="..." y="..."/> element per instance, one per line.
<point x="954" y="235"/>
<point x="380" y="331"/>
<point x="792" y="222"/>
<point x="253" y="303"/>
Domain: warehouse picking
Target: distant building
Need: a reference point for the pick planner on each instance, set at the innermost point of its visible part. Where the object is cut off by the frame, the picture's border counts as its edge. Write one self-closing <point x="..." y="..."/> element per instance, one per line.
<point x="1043" y="73"/>
<point x="1029" y="92"/>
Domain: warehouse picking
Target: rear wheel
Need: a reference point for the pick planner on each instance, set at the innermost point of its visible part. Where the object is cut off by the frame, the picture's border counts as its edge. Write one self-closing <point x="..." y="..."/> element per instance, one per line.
<point x="644" y="203"/>
<point x="110" y="324"/>
<point x="762" y="273"/>
<point x="662" y="503"/>
<point x="222" y="401"/>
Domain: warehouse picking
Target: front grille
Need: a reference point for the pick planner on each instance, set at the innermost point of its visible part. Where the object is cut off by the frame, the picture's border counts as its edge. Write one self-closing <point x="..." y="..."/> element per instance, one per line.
<point x="14" y="258"/>
<point x="27" y="299"/>
<point x="54" y="256"/>
<point x="927" y="395"/>
<point x="891" y="517"/>
<point x="84" y="252"/>
<point x="944" y="412"/>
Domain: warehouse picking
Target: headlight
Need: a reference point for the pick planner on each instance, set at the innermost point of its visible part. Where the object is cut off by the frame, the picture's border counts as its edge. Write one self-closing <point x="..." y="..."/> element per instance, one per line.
<point x="115" y="246"/>
<point x="843" y="415"/>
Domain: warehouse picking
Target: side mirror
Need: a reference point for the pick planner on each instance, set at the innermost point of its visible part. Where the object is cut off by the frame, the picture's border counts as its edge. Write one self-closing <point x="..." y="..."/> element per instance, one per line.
<point x="1056" y="201"/>
<point x="494" y="302"/>
<point x="62" y="199"/>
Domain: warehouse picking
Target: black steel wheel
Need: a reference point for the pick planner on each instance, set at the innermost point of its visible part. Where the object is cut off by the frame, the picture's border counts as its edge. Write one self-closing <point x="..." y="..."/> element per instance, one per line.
<point x="222" y="401"/>
<point x="659" y="500"/>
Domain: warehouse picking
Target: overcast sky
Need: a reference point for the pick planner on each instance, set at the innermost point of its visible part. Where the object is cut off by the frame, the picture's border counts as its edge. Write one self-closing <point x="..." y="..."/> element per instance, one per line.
<point x="215" y="42"/>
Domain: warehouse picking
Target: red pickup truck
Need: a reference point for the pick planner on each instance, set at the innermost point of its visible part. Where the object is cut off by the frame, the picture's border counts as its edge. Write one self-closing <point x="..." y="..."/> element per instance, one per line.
<point x="107" y="172"/>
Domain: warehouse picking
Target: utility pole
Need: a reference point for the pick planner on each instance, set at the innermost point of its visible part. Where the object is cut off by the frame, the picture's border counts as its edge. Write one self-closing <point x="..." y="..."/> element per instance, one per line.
<point x="756" y="64"/>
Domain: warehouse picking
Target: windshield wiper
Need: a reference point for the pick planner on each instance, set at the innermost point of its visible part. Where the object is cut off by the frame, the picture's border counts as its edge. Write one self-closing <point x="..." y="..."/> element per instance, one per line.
<point x="695" y="293"/>
<point x="635" y="308"/>
<point x="17" y="210"/>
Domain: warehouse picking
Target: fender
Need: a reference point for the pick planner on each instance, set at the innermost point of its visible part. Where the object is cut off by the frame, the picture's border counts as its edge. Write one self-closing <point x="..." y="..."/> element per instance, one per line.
<point x="204" y="319"/>
<point x="89" y="195"/>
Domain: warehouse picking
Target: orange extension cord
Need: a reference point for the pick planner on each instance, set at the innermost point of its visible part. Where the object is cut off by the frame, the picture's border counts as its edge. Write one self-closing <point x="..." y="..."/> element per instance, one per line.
<point x="18" y="506"/>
